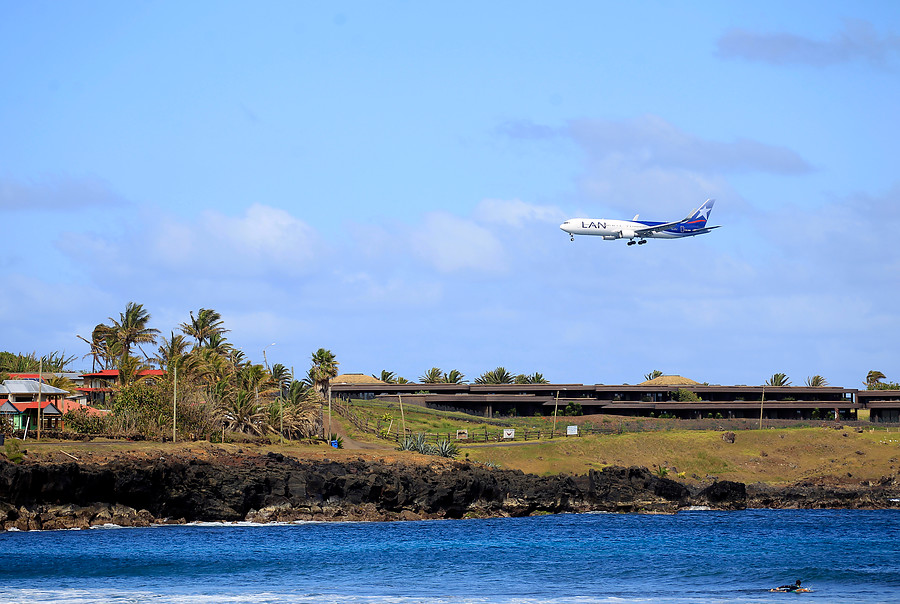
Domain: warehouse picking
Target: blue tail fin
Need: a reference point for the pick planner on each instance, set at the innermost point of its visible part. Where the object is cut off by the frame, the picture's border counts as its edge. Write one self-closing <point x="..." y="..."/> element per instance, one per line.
<point x="698" y="219"/>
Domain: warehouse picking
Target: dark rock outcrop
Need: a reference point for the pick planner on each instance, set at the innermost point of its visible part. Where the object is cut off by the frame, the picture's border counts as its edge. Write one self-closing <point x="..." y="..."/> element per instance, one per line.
<point x="273" y="487"/>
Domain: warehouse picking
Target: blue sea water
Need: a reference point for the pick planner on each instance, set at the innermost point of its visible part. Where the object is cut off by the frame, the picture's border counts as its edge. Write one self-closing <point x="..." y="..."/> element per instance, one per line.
<point x="693" y="556"/>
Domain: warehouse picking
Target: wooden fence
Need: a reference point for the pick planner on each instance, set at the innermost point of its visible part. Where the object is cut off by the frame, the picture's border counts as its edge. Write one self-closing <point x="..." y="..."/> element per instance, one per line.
<point x="391" y="430"/>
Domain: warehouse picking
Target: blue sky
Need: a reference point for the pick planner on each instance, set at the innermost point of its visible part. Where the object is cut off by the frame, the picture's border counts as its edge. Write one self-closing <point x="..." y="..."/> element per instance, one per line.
<point x="386" y="180"/>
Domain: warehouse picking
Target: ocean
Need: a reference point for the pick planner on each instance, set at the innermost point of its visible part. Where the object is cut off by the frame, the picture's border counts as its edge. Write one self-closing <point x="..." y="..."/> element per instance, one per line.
<point x="693" y="556"/>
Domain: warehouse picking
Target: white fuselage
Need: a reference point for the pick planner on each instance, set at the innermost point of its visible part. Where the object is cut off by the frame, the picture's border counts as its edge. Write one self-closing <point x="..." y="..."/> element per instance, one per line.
<point x="613" y="229"/>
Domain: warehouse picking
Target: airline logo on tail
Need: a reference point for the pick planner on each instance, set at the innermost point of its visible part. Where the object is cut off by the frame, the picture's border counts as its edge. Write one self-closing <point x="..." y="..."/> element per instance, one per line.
<point x="638" y="231"/>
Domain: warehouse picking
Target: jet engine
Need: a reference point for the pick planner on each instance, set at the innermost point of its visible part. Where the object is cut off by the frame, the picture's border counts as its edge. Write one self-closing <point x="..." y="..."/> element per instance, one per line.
<point x="626" y="234"/>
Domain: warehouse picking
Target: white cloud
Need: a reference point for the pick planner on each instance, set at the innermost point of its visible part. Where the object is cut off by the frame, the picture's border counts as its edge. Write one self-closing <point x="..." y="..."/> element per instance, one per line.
<point x="858" y="40"/>
<point x="451" y="244"/>
<point x="263" y="241"/>
<point x="515" y="212"/>
<point x="652" y="142"/>
<point x="56" y="193"/>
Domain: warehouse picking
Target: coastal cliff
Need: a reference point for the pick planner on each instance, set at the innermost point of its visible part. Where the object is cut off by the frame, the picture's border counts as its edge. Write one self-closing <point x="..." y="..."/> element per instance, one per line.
<point x="273" y="487"/>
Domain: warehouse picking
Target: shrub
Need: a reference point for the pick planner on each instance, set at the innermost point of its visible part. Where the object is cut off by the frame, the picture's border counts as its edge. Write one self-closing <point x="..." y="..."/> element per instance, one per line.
<point x="13" y="451"/>
<point x="573" y="409"/>
<point x="82" y="422"/>
<point x="684" y="395"/>
<point x="447" y="449"/>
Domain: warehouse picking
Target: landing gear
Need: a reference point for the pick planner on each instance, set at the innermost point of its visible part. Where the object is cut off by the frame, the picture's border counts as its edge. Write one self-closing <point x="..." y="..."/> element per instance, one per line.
<point x="572" y="238"/>
<point x="632" y="242"/>
<point x="642" y="242"/>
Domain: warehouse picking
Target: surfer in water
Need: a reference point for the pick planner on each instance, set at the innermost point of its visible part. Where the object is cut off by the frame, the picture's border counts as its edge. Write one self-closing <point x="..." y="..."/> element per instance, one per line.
<point x="789" y="587"/>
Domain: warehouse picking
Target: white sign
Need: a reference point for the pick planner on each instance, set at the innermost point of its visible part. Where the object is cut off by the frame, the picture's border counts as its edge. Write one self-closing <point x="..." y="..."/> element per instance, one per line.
<point x="571" y="430"/>
<point x="509" y="433"/>
<point x="462" y="435"/>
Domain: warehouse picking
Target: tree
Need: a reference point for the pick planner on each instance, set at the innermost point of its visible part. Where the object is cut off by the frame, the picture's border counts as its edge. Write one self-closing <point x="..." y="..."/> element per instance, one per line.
<point x="778" y="379"/>
<point x="873" y="379"/>
<point x="282" y="377"/>
<point x="454" y="377"/>
<point x="498" y="376"/>
<point x="534" y="378"/>
<point x="170" y="353"/>
<point x="386" y="376"/>
<point x="816" y="381"/>
<point x="432" y="376"/>
<point x="204" y="326"/>
<point x="653" y="375"/>
<point x="324" y="369"/>
<point x="131" y="329"/>
<point x="132" y="371"/>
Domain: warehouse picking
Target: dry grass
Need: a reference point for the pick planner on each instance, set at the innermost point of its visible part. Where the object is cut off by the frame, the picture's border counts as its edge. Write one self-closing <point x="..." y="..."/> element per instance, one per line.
<point x="771" y="456"/>
<point x="776" y="456"/>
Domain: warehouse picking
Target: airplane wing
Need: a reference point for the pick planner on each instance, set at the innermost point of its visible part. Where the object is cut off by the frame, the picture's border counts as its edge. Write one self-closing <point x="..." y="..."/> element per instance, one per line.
<point x="668" y="225"/>
<point x="659" y="227"/>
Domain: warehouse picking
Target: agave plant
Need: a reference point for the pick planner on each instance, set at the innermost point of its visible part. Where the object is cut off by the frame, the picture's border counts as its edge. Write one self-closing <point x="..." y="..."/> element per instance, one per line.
<point x="447" y="449"/>
<point x="417" y="443"/>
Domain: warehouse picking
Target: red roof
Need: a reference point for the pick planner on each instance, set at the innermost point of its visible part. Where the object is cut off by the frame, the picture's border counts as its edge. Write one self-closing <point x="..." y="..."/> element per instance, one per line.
<point x="21" y="406"/>
<point x="73" y="406"/>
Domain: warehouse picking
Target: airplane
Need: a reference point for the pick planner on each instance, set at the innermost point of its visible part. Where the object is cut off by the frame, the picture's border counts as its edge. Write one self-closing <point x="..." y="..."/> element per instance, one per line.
<point x="694" y="224"/>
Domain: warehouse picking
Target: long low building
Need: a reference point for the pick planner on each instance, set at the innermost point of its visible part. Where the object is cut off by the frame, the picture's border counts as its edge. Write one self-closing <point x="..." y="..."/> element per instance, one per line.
<point x="667" y="396"/>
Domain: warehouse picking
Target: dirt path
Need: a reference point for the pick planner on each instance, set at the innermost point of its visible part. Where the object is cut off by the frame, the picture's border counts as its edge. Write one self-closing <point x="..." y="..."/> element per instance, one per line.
<point x="338" y="427"/>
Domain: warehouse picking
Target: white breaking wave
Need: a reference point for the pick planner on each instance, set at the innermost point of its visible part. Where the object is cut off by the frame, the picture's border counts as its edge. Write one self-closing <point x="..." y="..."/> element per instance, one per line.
<point x="84" y="596"/>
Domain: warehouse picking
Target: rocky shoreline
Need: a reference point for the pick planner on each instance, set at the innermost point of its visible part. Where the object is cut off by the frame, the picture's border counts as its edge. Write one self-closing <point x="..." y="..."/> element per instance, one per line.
<point x="275" y="488"/>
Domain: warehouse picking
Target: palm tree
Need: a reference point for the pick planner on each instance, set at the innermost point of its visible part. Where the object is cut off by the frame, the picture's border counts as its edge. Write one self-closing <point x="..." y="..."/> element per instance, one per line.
<point x="237" y="358"/>
<point x="171" y="352"/>
<point x="498" y="376"/>
<point x="432" y="376"/>
<point x="324" y="368"/>
<point x="242" y="412"/>
<point x="131" y="328"/>
<point x="534" y="378"/>
<point x="61" y="381"/>
<point x="653" y="375"/>
<point x="816" y="381"/>
<point x="206" y="324"/>
<point x="873" y="379"/>
<point x="132" y="371"/>
<point x="778" y="379"/>
<point x="104" y="347"/>
<point x="386" y="376"/>
<point x="218" y="343"/>
<point x="282" y="377"/>
<point x="454" y="377"/>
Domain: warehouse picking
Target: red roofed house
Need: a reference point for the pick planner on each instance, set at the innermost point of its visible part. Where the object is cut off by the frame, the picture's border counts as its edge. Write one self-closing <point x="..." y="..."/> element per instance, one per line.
<point x="19" y="400"/>
<point x="99" y="383"/>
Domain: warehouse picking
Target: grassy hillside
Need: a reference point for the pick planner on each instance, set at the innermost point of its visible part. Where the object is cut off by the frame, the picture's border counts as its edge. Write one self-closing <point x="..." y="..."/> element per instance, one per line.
<point x="776" y="455"/>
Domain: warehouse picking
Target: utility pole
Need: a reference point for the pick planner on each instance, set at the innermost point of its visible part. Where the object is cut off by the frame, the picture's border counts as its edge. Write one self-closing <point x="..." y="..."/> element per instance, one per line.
<point x="761" y="401"/>
<point x="40" y="383"/>
<point x="174" y="402"/>
<point x="264" y="355"/>
<point x="555" y="413"/>
<point x="402" y="418"/>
